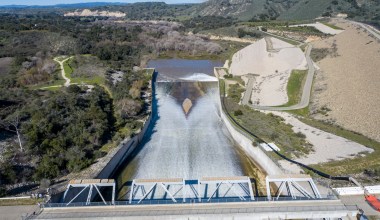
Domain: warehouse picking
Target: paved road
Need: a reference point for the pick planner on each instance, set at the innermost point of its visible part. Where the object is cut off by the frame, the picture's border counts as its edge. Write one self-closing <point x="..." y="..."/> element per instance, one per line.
<point x="359" y="201"/>
<point x="305" y="99"/>
<point x="17" y="212"/>
<point x="248" y="90"/>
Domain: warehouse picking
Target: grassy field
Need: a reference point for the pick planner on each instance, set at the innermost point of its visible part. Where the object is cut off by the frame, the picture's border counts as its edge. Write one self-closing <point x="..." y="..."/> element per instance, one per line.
<point x="92" y="80"/>
<point x="53" y="83"/>
<point x="295" y="86"/>
<point x="67" y="68"/>
<point x="14" y="202"/>
<point x="304" y="112"/>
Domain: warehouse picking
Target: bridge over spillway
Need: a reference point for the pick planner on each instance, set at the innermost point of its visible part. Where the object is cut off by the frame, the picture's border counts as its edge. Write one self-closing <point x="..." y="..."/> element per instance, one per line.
<point x="209" y="197"/>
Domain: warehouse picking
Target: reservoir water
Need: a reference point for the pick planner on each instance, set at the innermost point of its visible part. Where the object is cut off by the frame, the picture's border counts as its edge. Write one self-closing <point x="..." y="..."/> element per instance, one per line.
<point x="180" y="145"/>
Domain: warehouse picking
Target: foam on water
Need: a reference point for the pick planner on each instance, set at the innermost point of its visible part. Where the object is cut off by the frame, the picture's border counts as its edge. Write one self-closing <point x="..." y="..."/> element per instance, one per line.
<point x="200" y="77"/>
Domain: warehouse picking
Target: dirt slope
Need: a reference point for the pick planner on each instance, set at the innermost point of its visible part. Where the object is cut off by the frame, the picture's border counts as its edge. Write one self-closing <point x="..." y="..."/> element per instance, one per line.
<point x="349" y="83"/>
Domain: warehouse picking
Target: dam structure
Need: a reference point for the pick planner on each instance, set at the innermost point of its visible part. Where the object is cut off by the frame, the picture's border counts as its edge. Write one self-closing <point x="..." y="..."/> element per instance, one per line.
<point x="190" y="163"/>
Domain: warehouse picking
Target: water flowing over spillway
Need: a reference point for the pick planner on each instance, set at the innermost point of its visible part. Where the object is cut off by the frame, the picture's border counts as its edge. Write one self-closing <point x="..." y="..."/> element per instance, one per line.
<point x="192" y="146"/>
<point x="181" y="144"/>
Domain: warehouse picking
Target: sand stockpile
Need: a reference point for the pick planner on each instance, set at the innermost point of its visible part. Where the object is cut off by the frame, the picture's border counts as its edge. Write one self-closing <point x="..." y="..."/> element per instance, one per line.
<point x="349" y="83"/>
<point x="273" y="69"/>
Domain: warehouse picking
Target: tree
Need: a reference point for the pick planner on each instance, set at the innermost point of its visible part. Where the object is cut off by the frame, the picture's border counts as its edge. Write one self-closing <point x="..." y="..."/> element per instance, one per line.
<point x="12" y="123"/>
<point x="241" y="33"/>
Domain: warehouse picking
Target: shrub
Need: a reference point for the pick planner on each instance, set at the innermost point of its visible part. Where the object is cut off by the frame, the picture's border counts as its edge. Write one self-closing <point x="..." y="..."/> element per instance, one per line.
<point x="238" y="112"/>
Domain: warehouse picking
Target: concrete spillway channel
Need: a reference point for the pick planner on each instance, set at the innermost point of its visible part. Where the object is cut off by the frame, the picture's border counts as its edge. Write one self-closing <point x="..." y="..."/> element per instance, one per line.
<point x="186" y="137"/>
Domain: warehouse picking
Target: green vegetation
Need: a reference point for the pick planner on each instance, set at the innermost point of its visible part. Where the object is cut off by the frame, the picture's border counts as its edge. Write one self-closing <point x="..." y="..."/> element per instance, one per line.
<point x="295" y="86"/>
<point x="299" y="29"/>
<point x="85" y="69"/>
<point x="79" y="126"/>
<point x="64" y="130"/>
<point x="237" y="79"/>
<point x="268" y="127"/>
<point x="305" y="9"/>
<point x="52" y="84"/>
<point x="255" y="34"/>
<point x="304" y="112"/>
<point x="234" y="92"/>
<point x="208" y="22"/>
<point x="96" y="80"/>
<point x="67" y="68"/>
<point x="303" y="47"/>
<point x="16" y="202"/>
<point x="229" y="49"/>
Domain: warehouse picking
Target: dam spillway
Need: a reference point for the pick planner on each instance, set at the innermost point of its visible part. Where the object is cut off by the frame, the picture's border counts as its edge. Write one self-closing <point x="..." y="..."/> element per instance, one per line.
<point x="181" y="144"/>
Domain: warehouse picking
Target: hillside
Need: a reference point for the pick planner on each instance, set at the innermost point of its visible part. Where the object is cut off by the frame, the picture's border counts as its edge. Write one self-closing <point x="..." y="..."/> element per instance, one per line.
<point x="244" y="9"/>
<point x="290" y="9"/>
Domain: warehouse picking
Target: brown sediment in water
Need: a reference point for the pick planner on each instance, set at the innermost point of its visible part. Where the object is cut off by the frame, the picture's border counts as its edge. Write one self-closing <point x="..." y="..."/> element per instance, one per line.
<point x="186" y="105"/>
<point x="187" y="93"/>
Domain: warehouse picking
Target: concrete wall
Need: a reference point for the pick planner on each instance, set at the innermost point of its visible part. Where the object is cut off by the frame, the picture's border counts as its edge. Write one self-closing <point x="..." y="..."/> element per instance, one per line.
<point x="129" y="145"/>
<point x="256" y="153"/>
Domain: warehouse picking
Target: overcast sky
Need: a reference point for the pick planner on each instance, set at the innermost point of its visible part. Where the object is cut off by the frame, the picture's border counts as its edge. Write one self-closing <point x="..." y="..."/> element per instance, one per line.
<point x="54" y="2"/>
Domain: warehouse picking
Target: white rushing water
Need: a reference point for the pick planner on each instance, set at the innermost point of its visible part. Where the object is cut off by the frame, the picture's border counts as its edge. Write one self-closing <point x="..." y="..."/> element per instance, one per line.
<point x="200" y="77"/>
<point x="193" y="146"/>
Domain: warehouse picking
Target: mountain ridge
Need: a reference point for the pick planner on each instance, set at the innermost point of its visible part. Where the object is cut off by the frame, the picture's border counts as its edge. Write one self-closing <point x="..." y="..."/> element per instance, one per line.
<point x="246" y="10"/>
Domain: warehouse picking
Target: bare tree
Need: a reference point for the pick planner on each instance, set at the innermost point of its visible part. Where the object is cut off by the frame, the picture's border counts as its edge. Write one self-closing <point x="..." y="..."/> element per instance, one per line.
<point x="12" y="124"/>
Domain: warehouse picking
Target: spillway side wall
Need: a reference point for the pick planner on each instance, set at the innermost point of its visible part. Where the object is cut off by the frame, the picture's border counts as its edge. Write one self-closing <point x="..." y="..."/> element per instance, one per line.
<point x="128" y="145"/>
<point x="256" y="153"/>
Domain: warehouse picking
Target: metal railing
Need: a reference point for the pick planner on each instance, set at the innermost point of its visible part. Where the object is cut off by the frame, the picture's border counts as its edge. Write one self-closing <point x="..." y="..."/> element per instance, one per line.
<point x="189" y="201"/>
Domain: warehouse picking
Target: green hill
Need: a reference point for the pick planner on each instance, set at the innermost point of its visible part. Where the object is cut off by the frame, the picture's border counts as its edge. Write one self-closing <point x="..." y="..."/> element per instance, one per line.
<point x="306" y="9"/>
<point x="244" y="10"/>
